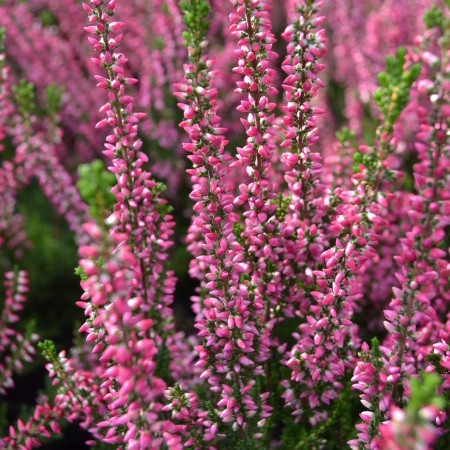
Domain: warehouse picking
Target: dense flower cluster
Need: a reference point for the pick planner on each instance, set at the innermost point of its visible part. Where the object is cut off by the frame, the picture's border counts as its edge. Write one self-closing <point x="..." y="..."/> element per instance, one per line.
<point x="302" y="245"/>
<point x="412" y="317"/>
<point x="15" y="348"/>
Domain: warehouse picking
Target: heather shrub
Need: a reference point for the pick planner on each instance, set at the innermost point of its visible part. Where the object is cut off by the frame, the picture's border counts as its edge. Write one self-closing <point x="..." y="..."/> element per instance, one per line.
<point x="245" y="222"/>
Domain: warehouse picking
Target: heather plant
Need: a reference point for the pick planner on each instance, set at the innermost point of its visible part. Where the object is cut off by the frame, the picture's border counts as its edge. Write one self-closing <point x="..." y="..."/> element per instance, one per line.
<point x="303" y="247"/>
<point x="413" y="427"/>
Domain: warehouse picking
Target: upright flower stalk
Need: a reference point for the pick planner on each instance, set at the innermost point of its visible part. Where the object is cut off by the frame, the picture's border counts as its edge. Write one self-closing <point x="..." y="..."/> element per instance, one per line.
<point x="136" y="192"/>
<point x="251" y="24"/>
<point x="213" y="209"/>
<point x="227" y="356"/>
<point x="303" y="170"/>
<point x="127" y="291"/>
<point x="119" y="328"/>
<point x="12" y="233"/>
<point x="412" y="318"/>
<point x="5" y="105"/>
<point x="302" y="166"/>
<point x="306" y="46"/>
<point x="15" y="347"/>
<point x="324" y="350"/>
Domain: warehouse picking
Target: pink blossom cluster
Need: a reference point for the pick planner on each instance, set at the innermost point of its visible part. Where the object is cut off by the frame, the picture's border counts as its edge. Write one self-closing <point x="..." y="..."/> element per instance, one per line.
<point x="400" y="434"/>
<point x="44" y="423"/>
<point x="36" y="156"/>
<point x="15" y="348"/>
<point x="301" y="244"/>
<point x="413" y="317"/>
<point x="359" y="47"/>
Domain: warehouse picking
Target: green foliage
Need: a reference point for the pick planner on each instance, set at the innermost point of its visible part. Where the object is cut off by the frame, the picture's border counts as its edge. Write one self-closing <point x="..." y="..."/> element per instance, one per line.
<point x="368" y="160"/>
<point x="24" y="96"/>
<point x="162" y="362"/>
<point x="2" y="39"/>
<point x="335" y="95"/>
<point x="331" y="434"/>
<point x="393" y="94"/>
<point x="159" y="188"/>
<point x="436" y="359"/>
<point x="345" y="136"/>
<point x="53" y="95"/>
<point x="48" y="350"/>
<point x="434" y="17"/>
<point x="94" y="185"/>
<point x="376" y="353"/>
<point x="98" y="445"/>
<point x="238" y="229"/>
<point x="423" y="393"/>
<point x="284" y="330"/>
<point x="49" y="353"/>
<point x="162" y="208"/>
<point x="49" y="261"/>
<point x="444" y="442"/>
<point x="195" y="17"/>
<point x="82" y="274"/>
<point x="3" y="418"/>
<point x="357" y="160"/>
<point x="391" y="97"/>
<point x="47" y="18"/>
<point x="282" y="209"/>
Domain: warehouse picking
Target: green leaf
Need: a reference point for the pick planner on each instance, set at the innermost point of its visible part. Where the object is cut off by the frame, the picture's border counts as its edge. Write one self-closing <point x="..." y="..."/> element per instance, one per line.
<point x="81" y="273"/>
<point x="424" y="393"/>
<point x="383" y="79"/>
<point x="48" y="350"/>
<point x="24" y="96"/>
<point x="434" y="17"/>
<point x="392" y="95"/>
<point x="94" y="185"/>
<point x="195" y="17"/>
<point x="53" y="95"/>
<point x="2" y="39"/>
